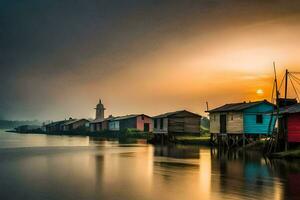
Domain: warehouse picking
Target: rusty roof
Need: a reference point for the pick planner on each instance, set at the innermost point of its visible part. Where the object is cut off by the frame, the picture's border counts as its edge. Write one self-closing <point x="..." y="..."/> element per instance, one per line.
<point x="173" y="113"/>
<point x="290" y="109"/>
<point x="235" y="107"/>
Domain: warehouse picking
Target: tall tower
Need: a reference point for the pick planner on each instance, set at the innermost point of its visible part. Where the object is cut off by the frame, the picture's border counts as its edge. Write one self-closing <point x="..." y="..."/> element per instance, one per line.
<point x="100" y="110"/>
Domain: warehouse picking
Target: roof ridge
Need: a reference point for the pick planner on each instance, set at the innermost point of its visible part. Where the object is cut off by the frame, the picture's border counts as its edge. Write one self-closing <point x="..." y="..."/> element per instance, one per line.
<point x="238" y="106"/>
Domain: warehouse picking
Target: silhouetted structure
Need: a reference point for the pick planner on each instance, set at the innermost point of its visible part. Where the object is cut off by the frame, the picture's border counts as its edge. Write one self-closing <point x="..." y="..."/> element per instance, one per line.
<point x="55" y="126"/>
<point x="100" y="111"/>
<point x="75" y="124"/>
<point x="99" y="125"/>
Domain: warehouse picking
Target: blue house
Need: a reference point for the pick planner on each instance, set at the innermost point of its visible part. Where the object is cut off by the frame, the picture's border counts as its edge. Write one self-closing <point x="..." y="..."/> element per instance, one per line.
<point x="252" y="118"/>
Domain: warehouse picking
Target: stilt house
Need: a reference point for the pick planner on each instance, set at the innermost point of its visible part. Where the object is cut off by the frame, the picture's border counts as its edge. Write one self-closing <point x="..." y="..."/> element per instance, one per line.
<point x="289" y="122"/>
<point x="56" y="126"/>
<point x="253" y="118"/>
<point x="99" y="125"/>
<point x="76" y="124"/>
<point x="178" y="122"/>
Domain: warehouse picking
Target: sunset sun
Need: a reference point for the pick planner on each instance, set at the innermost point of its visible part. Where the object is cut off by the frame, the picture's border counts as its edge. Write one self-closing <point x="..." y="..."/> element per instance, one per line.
<point x="259" y="92"/>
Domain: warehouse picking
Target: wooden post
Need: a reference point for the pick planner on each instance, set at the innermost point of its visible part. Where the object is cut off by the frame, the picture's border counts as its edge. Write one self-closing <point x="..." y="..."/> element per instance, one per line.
<point x="277" y="106"/>
<point x="285" y="98"/>
<point x="286" y="84"/>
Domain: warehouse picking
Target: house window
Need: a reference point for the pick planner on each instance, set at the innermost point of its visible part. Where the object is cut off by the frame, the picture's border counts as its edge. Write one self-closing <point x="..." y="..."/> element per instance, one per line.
<point x="231" y="116"/>
<point x="259" y="119"/>
<point x="155" y="123"/>
<point x="161" y="123"/>
<point x="143" y="117"/>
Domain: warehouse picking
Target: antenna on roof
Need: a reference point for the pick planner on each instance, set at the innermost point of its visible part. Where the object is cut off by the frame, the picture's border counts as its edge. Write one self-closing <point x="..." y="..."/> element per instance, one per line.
<point x="207" y="106"/>
<point x="276" y="83"/>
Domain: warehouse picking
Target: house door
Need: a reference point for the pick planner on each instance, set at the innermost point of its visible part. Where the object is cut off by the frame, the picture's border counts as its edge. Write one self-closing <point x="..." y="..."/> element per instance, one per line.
<point x="223" y="120"/>
<point x="146" y="127"/>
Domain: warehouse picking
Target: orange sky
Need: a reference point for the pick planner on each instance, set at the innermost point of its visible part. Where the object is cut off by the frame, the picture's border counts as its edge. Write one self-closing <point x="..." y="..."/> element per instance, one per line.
<point x="145" y="57"/>
<point x="228" y="66"/>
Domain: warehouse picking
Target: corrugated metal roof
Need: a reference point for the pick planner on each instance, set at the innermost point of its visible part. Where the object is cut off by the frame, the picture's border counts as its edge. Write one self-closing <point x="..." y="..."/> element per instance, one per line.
<point x="173" y="113"/>
<point x="291" y="109"/>
<point x="167" y="114"/>
<point x="237" y="106"/>
<point x="127" y="117"/>
<point x="74" y="121"/>
<point x="118" y="118"/>
<point x="56" y="123"/>
<point x="98" y="121"/>
<point x="102" y="120"/>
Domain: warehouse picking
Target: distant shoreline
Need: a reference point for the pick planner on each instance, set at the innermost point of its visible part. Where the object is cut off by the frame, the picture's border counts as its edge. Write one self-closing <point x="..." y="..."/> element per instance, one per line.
<point x="184" y="140"/>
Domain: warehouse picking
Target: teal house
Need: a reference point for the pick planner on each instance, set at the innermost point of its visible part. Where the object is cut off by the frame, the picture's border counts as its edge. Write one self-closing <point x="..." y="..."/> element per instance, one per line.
<point x="250" y="118"/>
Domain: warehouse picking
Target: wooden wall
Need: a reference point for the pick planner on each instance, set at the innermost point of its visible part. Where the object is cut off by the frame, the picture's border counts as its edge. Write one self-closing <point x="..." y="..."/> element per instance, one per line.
<point x="214" y="121"/>
<point x="100" y="126"/>
<point x="184" y="122"/>
<point x="181" y="122"/>
<point x="234" y="122"/>
<point x="176" y="125"/>
<point x="294" y="127"/>
<point x="75" y="125"/>
<point x="158" y="129"/>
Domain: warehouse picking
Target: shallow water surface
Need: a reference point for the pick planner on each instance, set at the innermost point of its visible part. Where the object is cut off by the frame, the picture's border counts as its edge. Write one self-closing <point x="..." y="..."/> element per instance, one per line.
<point x="62" y="167"/>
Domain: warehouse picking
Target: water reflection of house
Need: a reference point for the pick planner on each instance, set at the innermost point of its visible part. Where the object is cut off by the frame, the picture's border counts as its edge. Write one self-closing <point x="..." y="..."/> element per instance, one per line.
<point x="245" y="173"/>
<point x="293" y="186"/>
<point x="177" y="151"/>
<point x="178" y="122"/>
<point x="242" y="118"/>
<point x="287" y="170"/>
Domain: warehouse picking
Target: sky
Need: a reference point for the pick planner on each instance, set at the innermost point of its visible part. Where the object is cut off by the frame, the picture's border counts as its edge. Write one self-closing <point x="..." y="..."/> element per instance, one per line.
<point x="58" y="57"/>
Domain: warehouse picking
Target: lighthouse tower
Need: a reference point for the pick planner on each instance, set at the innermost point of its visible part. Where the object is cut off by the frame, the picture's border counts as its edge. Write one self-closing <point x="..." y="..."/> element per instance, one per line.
<point x="100" y="110"/>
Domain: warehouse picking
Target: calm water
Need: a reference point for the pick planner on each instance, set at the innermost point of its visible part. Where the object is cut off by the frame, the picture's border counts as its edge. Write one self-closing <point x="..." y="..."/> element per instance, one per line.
<point x="61" y="167"/>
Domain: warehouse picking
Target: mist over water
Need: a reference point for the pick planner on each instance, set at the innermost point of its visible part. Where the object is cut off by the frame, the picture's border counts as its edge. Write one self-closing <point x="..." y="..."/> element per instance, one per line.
<point x="63" y="167"/>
